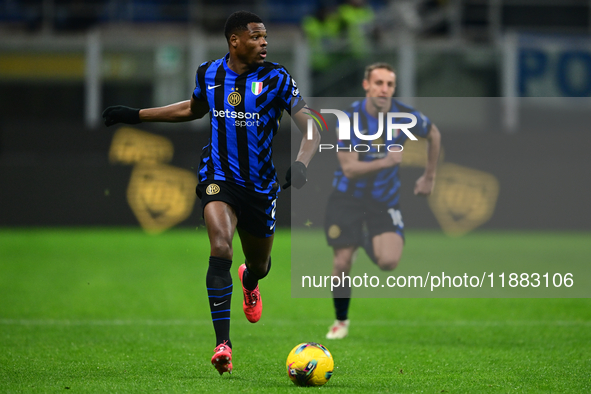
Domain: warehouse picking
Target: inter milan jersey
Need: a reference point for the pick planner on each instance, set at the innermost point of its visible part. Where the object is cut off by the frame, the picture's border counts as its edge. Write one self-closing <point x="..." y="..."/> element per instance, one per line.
<point x="383" y="185"/>
<point x="245" y="111"/>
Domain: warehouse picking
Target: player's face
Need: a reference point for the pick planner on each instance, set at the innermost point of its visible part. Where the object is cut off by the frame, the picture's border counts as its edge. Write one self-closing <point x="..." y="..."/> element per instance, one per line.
<point x="252" y="44"/>
<point x="379" y="88"/>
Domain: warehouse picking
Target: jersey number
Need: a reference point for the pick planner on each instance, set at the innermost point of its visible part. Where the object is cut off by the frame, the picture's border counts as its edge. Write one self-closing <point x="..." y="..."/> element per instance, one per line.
<point x="396" y="217"/>
<point x="274" y="204"/>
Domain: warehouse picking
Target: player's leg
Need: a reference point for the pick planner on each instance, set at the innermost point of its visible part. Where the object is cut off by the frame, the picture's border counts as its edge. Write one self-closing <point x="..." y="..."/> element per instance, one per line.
<point x="221" y="221"/>
<point x="256" y="228"/>
<point x="388" y="250"/>
<point x="386" y="231"/>
<point x="257" y="252"/>
<point x="343" y="230"/>
<point x="342" y="262"/>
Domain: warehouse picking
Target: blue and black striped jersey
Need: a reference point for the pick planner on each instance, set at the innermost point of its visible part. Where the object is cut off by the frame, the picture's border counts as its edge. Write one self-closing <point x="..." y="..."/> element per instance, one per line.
<point x="383" y="185"/>
<point x="245" y="111"/>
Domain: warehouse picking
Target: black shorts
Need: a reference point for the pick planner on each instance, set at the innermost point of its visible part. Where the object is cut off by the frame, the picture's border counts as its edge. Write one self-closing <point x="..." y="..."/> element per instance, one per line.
<point x="255" y="211"/>
<point x="346" y="217"/>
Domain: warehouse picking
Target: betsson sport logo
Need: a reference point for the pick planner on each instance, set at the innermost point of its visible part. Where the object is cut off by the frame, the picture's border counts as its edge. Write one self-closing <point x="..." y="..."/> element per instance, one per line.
<point x="344" y="130"/>
<point x="241" y="119"/>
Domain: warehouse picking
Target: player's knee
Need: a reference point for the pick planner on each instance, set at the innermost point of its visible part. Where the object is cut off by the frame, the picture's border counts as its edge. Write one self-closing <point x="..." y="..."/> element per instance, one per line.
<point x="222" y="248"/>
<point x="260" y="268"/>
<point x="388" y="263"/>
<point x="341" y="266"/>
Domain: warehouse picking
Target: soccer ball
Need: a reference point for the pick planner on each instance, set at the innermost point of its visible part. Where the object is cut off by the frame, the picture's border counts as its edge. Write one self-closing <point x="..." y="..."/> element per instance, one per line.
<point x="309" y="364"/>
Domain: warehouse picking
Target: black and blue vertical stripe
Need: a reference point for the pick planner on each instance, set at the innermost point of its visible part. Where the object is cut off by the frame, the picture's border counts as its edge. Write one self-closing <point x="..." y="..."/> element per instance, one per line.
<point x="242" y="131"/>
<point x="383" y="186"/>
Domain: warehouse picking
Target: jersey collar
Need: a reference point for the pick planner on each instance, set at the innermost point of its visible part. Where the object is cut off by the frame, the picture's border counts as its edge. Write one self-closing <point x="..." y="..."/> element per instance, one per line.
<point x="364" y="109"/>
<point x="229" y="70"/>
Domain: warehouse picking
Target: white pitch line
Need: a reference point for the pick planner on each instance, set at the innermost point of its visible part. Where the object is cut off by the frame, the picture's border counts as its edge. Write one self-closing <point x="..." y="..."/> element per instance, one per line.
<point x="91" y="322"/>
<point x="367" y="323"/>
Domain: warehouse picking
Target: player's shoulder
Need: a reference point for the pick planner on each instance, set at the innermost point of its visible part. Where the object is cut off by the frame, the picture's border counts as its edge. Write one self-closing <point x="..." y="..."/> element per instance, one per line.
<point x="354" y="107"/>
<point x="211" y="63"/>
<point x="399" y="106"/>
<point x="274" y="68"/>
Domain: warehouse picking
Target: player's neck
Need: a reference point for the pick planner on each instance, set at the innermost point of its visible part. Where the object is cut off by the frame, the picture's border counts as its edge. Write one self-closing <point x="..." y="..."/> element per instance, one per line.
<point x="374" y="111"/>
<point x="238" y="66"/>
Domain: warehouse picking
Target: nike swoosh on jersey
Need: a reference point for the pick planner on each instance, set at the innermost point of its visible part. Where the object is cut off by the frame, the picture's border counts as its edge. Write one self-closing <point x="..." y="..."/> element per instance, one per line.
<point x="212" y="87"/>
<point x="218" y="304"/>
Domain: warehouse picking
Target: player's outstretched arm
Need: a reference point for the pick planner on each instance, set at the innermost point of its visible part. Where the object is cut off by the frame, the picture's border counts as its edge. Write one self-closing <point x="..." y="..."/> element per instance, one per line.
<point x="179" y="112"/>
<point x="297" y="172"/>
<point x="424" y="185"/>
<point x="354" y="168"/>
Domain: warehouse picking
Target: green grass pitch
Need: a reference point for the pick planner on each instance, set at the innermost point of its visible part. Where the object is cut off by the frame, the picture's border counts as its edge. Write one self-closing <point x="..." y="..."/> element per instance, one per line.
<point x="117" y="310"/>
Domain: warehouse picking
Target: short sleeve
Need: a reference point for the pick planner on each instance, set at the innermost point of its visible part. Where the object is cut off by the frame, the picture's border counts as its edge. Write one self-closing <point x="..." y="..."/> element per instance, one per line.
<point x="198" y="92"/>
<point x="423" y="124"/>
<point x="289" y="94"/>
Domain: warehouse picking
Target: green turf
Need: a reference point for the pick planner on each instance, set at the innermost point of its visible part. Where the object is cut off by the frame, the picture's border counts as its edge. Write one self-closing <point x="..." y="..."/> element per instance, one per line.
<point x="120" y="311"/>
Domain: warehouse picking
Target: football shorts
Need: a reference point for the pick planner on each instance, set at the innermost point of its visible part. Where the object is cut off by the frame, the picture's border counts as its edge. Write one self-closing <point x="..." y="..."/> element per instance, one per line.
<point x="255" y="211"/>
<point x="348" y="217"/>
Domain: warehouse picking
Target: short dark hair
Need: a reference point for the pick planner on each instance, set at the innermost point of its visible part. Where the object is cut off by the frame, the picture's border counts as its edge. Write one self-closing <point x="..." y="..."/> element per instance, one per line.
<point x="375" y="66"/>
<point x="239" y="21"/>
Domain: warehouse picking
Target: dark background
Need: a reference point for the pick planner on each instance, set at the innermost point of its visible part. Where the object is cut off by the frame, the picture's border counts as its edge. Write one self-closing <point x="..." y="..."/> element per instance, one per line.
<point x="57" y="173"/>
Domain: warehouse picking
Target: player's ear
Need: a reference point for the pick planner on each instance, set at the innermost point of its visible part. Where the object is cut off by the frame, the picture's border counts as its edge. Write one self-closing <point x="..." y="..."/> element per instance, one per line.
<point x="365" y="84"/>
<point x="234" y="40"/>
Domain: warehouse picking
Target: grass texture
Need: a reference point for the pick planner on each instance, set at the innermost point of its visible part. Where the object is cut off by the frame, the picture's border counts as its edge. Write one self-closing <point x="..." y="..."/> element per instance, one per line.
<point x="118" y="310"/>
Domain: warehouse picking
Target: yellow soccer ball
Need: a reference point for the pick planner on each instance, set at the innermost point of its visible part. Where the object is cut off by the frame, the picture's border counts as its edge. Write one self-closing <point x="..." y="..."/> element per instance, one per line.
<point x="309" y="364"/>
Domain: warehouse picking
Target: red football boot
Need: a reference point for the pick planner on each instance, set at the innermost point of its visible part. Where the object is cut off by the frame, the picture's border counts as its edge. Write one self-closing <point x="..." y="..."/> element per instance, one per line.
<point x="252" y="304"/>
<point x="222" y="358"/>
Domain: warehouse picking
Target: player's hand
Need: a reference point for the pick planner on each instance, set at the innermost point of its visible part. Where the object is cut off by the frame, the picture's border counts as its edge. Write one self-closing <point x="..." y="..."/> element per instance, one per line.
<point x="296" y="175"/>
<point x="121" y="114"/>
<point x="424" y="186"/>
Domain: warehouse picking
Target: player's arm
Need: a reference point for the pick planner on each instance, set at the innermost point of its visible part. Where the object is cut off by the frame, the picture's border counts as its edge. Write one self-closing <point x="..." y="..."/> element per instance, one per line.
<point x="424" y="185"/>
<point x="354" y="168"/>
<point x="296" y="174"/>
<point x="308" y="147"/>
<point x="179" y="112"/>
<point x="182" y="111"/>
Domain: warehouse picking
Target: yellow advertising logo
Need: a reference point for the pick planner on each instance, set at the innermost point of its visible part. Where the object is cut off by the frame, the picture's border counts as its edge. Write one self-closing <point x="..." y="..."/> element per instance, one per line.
<point x="131" y="146"/>
<point x="463" y="198"/>
<point x="415" y="153"/>
<point x="234" y="98"/>
<point x="160" y="195"/>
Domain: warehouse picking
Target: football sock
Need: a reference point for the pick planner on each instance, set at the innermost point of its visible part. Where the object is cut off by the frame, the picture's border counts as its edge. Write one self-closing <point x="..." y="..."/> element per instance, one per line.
<point x="341" y="299"/>
<point x="219" y="291"/>
<point x="341" y="306"/>
<point x="250" y="280"/>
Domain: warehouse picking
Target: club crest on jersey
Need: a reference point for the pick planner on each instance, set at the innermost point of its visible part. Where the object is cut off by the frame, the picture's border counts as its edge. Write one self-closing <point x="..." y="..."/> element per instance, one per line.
<point x="212" y="189"/>
<point x="234" y="98"/>
<point x="256" y="88"/>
